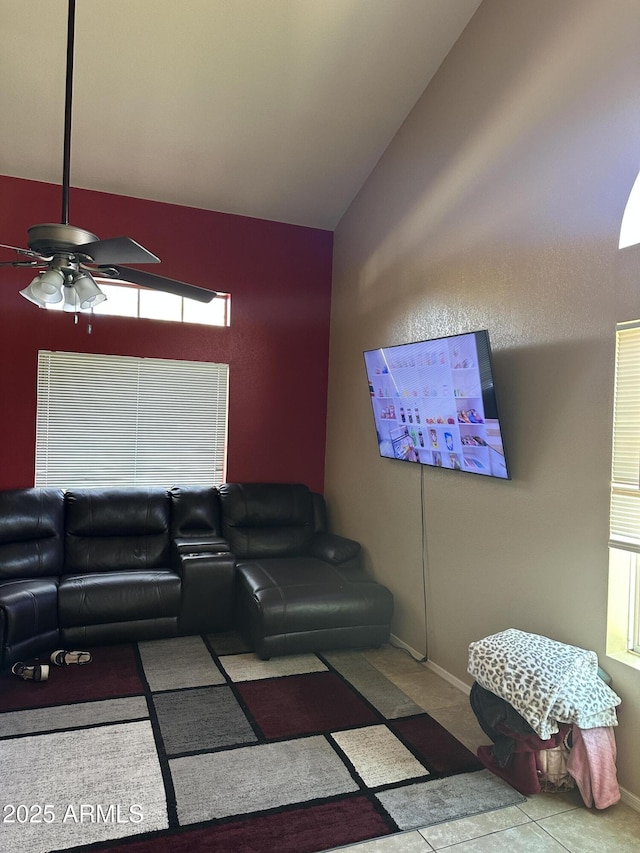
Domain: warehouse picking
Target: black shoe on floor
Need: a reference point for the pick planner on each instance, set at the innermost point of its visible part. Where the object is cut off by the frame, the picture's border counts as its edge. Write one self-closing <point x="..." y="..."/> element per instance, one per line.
<point x="35" y="672"/>
<point x="61" y="657"/>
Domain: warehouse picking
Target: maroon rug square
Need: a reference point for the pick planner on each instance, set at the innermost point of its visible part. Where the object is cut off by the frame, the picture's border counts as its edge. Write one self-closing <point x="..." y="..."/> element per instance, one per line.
<point x="434" y="746"/>
<point x="304" y="830"/>
<point x="112" y="672"/>
<point x="303" y="704"/>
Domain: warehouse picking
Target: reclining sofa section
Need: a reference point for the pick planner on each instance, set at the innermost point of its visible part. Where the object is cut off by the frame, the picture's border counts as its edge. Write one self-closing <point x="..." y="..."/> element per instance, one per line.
<point x="98" y="566"/>
<point x="92" y="566"/>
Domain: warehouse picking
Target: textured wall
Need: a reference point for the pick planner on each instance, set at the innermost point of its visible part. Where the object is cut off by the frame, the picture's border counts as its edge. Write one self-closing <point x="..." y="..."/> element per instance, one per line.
<point x="498" y="206"/>
<point x="279" y="277"/>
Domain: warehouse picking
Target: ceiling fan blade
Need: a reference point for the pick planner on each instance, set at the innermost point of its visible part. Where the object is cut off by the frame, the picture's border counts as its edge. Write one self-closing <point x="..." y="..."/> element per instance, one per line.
<point x="117" y="250"/>
<point x="27" y="252"/>
<point x="158" y="282"/>
<point x="34" y="264"/>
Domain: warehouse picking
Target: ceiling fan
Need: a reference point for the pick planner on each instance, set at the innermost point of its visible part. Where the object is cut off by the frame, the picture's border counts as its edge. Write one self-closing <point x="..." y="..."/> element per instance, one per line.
<point x="69" y="257"/>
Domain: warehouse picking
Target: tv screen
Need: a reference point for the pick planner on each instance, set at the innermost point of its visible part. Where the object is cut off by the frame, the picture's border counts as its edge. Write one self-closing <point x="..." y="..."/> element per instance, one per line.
<point x="434" y="403"/>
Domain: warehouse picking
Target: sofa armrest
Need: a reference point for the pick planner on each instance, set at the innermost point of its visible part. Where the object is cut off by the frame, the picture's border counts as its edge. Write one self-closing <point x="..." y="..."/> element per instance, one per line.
<point x="334" y="549"/>
<point x="207" y="568"/>
<point x="28" y="618"/>
<point x="198" y="545"/>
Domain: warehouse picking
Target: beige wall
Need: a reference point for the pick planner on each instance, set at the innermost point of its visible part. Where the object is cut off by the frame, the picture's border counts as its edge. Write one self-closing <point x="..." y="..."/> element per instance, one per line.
<point x="498" y="206"/>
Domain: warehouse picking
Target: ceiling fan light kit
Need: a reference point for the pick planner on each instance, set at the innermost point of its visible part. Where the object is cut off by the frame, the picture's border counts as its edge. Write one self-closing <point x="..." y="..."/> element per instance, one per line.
<point x="64" y="280"/>
<point x="71" y="256"/>
<point x="86" y="290"/>
<point x="46" y="288"/>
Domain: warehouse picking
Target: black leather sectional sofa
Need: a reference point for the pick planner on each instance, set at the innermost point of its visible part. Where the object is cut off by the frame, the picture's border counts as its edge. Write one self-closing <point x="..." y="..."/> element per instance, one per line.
<point x="87" y="567"/>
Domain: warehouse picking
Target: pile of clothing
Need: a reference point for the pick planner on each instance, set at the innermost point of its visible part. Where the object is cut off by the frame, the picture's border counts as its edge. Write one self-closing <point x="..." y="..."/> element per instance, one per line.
<point x="550" y="714"/>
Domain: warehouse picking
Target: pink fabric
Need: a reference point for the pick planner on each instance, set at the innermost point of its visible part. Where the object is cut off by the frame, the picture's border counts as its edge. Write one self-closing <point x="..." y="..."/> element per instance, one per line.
<point x="592" y="763"/>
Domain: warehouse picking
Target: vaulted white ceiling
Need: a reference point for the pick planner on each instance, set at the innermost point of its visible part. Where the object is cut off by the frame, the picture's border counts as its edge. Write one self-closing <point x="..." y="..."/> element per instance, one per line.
<point x="278" y="109"/>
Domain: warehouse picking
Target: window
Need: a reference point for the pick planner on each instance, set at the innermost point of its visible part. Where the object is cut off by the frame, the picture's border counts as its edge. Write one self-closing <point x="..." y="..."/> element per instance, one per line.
<point x="624" y="541"/>
<point x="127" y="300"/>
<point x="121" y="421"/>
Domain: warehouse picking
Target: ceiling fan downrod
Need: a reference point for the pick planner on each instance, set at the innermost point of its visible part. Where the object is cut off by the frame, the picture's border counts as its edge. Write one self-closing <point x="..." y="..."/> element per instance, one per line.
<point x="69" y="256"/>
<point x="66" y="157"/>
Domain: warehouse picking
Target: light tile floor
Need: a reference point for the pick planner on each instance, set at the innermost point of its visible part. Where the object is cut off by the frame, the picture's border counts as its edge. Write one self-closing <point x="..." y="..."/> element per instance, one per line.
<point x="545" y="823"/>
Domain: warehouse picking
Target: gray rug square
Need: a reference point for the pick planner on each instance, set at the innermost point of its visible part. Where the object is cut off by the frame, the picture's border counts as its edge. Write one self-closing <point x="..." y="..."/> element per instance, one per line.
<point x="201" y="719"/>
<point x="383" y="694"/>
<point x="178" y="662"/>
<point x="97" y="784"/>
<point x="73" y="716"/>
<point x="249" y="667"/>
<point x="258" y="777"/>
<point x="378" y="756"/>
<point x="426" y="803"/>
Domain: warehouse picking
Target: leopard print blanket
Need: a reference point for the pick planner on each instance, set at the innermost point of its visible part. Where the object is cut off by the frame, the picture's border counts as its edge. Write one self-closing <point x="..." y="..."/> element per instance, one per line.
<point x="545" y="681"/>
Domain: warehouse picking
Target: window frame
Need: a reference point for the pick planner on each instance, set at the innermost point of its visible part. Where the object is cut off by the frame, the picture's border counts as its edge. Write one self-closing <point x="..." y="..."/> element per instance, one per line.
<point x="634" y="615"/>
<point x="110" y="288"/>
<point x="623" y="618"/>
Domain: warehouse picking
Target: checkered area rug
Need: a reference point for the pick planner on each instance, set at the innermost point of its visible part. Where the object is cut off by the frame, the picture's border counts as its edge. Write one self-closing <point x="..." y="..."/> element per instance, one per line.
<point x="194" y="744"/>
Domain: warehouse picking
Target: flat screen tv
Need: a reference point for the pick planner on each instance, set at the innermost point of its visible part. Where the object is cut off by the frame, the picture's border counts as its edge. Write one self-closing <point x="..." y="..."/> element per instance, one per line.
<point x="434" y="403"/>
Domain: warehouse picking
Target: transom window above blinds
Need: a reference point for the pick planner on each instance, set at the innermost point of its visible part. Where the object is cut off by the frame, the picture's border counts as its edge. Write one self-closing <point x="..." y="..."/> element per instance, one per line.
<point x="625" y="472"/>
<point x="122" y="421"/>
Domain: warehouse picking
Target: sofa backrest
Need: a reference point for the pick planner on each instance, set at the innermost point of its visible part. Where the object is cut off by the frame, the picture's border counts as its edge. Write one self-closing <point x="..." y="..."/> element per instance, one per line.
<point x="267" y="519"/>
<point x="31" y="533"/>
<point x="111" y="529"/>
<point x="320" y="523"/>
<point x="195" y="512"/>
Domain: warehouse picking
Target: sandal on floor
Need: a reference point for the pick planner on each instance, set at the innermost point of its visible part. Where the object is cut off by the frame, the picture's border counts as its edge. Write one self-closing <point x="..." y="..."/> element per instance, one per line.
<point x="62" y="657"/>
<point x="37" y="672"/>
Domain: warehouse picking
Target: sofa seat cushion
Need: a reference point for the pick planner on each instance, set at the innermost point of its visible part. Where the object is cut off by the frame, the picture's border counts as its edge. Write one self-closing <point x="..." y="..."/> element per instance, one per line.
<point x="306" y="594"/>
<point x="93" y="599"/>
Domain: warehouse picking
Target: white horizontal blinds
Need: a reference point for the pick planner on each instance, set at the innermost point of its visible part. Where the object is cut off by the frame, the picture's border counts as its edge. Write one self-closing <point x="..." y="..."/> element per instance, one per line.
<point x="625" y="475"/>
<point x="86" y="420"/>
<point x="121" y="421"/>
<point x="182" y="422"/>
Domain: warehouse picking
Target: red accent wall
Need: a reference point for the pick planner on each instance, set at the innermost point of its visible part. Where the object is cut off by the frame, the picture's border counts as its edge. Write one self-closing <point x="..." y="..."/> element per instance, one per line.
<point x="279" y="277"/>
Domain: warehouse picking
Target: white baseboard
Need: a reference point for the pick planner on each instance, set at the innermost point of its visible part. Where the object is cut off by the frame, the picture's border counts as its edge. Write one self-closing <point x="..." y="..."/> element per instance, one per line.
<point x="400" y="644"/>
<point x="625" y="796"/>
<point x="630" y="799"/>
<point x="456" y="682"/>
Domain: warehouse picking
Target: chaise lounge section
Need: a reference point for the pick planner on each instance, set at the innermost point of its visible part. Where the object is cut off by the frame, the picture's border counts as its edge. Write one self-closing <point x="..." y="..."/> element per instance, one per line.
<point x="299" y="587"/>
